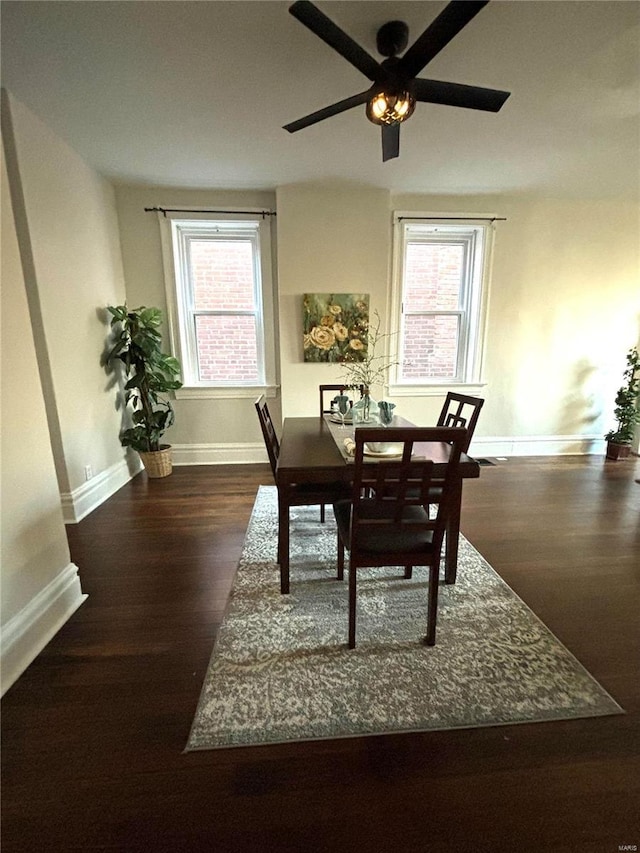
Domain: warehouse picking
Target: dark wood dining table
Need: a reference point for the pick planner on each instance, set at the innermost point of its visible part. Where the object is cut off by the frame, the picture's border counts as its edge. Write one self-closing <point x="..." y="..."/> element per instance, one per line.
<point x="309" y="453"/>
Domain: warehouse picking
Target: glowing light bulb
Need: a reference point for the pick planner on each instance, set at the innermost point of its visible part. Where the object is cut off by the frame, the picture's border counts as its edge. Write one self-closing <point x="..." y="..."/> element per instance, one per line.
<point x="387" y="108"/>
<point x="380" y="106"/>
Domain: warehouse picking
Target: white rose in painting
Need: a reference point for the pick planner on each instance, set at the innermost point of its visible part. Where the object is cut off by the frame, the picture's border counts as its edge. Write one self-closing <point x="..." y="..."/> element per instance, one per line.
<point x="322" y="337"/>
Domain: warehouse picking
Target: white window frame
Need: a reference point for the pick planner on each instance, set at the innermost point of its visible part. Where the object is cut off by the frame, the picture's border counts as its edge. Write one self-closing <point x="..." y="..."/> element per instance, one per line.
<point x="177" y="230"/>
<point x="476" y="233"/>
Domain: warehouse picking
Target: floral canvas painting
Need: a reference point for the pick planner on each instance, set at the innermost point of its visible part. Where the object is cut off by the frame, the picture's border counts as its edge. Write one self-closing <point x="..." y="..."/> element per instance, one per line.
<point x="335" y="326"/>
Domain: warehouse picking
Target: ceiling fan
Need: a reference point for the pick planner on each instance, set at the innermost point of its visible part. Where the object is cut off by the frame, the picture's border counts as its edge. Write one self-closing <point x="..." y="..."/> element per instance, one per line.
<point x="395" y="89"/>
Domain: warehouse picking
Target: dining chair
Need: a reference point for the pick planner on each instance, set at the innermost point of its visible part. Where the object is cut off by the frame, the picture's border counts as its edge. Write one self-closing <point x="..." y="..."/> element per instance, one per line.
<point x="334" y="390"/>
<point x="460" y="410"/>
<point x="304" y="494"/>
<point x="387" y="520"/>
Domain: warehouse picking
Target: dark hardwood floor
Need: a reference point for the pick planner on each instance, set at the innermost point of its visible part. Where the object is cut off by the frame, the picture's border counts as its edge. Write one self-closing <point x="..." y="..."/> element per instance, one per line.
<point x="93" y="733"/>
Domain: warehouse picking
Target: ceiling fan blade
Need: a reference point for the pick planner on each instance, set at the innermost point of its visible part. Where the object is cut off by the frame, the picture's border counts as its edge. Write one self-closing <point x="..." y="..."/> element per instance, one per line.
<point x="336" y="38"/>
<point x="327" y="112"/>
<point x="438" y="34"/>
<point x="459" y="95"/>
<point x="390" y="141"/>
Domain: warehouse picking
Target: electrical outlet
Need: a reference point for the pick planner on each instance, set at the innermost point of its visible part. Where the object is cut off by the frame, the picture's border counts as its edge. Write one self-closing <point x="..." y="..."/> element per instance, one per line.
<point x="88" y="473"/>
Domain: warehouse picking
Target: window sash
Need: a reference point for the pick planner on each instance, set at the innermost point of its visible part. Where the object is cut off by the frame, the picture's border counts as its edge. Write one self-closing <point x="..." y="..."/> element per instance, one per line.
<point x="474" y="236"/>
<point x="181" y="300"/>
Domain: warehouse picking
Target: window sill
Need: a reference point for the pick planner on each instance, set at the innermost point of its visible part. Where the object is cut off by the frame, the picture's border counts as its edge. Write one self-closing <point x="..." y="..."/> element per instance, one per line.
<point x="437" y="389"/>
<point x="224" y="392"/>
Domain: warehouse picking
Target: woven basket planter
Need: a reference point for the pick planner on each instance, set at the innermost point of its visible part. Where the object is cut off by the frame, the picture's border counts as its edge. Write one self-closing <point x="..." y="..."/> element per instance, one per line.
<point x="157" y="462"/>
<point x="617" y="451"/>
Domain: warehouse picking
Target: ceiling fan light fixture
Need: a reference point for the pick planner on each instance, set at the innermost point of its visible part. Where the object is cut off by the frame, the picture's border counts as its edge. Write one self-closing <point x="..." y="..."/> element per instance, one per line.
<point x="387" y="108"/>
<point x="394" y="86"/>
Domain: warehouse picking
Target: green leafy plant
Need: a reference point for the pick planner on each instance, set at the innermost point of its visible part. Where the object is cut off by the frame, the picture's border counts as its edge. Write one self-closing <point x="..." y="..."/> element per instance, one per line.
<point x="151" y="373"/>
<point x="626" y="410"/>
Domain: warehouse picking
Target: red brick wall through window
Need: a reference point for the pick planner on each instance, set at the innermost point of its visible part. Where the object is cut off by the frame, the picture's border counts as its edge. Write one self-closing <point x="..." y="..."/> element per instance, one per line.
<point x="223" y="280"/>
<point x="433" y="276"/>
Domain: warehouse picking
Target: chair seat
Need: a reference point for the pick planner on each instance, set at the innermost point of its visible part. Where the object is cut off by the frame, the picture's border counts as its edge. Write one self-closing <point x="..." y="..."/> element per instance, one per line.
<point x="389" y="537"/>
<point x="325" y="488"/>
<point x="319" y="493"/>
<point x="435" y="494"/>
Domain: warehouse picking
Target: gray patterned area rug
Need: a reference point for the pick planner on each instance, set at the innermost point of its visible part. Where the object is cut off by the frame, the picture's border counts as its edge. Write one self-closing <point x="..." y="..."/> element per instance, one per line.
<point x="281" y="670"/>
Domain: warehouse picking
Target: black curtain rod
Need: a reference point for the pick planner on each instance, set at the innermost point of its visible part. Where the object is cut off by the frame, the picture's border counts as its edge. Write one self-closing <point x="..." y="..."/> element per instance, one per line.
<point x="453" y="218"/>
<point x="165" y="210"/>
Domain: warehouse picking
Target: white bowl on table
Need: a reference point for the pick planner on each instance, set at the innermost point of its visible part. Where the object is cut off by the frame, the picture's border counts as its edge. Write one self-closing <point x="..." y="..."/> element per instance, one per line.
<point x="389" y="448"/>
<point x="379" y="446"/>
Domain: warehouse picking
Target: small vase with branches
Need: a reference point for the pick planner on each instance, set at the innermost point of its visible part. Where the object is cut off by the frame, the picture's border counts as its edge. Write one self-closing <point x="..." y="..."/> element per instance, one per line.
<point x="370" y="370"/>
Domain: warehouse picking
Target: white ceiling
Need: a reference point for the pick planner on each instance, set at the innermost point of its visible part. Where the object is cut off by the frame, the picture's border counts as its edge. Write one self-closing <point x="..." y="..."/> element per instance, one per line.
<point x="194" y="94"/>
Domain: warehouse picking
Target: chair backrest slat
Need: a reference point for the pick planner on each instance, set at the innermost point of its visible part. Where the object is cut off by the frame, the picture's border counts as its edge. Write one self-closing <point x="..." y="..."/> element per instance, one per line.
<point x="268" y="432"/>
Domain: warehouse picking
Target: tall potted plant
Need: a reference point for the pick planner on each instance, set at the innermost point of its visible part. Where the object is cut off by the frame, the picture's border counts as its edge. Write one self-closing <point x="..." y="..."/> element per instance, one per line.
<point x="151" y="374"/>
<point x="626" y="412"/>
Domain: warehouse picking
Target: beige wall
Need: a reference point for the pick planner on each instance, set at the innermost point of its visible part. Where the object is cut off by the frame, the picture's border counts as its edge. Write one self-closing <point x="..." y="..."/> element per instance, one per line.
<point x="201" y="423"/>
<point x="564" y="308"/>
<point x="331" y="239"/>
<point x="39" y="584"/>
<point x="564" y="304"/>
<point x="67" y="224"/>
<point x="564" y="301"/>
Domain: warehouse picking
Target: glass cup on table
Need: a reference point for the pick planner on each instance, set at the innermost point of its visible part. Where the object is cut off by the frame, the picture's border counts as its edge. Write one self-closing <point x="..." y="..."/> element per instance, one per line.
<point x="386" y="412"/>
<point x="342" y="402"/>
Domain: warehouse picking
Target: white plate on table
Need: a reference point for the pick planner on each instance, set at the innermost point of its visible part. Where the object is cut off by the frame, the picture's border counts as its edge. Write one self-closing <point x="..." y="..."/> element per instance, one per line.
<point x="335" y="419"/>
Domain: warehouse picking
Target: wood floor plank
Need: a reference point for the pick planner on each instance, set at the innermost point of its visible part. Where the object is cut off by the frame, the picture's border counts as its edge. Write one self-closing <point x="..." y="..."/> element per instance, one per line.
<point x="93" y="733"/>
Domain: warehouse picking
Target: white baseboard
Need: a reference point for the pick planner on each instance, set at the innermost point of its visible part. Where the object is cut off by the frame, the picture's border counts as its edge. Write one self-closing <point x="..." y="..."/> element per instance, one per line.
<point x="529" y="445"/>
<point x="87" y="497"/>
<point x="79" y="503"/>
<point x="27" y="633"/>
<point x="219" y="454"/>
<point x="522" y="445"/>
<point x="538" y="445"/>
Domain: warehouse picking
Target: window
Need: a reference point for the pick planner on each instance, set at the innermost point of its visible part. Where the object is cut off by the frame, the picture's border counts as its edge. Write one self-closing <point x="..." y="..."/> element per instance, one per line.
<point x="440" y="284"/>
<point x="220" y="298"/>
